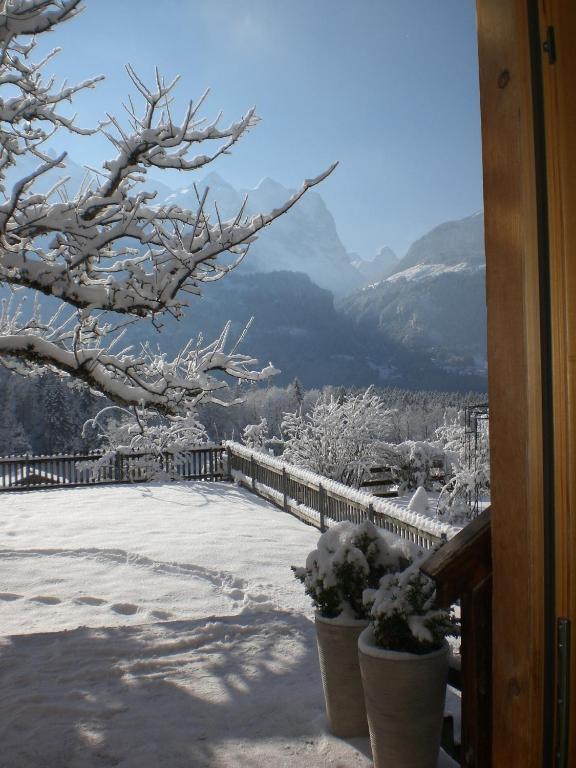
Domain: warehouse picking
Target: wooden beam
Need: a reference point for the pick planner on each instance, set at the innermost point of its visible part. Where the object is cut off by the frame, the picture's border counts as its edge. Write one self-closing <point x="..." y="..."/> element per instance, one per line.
<point x="559" y="81"/>
<point x="463" y="563"/>
<point x="476" y="652"/>
<point x="462" y="570"/>
<point x="514" y="374"/>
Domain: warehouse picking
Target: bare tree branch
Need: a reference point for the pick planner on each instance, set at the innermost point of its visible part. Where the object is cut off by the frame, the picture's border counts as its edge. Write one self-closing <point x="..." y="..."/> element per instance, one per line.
<point x="109" y="247"/>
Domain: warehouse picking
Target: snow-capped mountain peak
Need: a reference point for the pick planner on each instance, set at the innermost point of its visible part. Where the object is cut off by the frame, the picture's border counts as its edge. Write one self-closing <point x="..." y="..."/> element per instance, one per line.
<point x="303" y="240"/>
<point x="378" y="268"/>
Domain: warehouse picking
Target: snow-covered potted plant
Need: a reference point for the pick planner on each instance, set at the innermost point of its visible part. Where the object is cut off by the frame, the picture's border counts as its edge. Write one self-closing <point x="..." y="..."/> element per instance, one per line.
<point x="404" y="664"/>
<point x="348" y="560"/>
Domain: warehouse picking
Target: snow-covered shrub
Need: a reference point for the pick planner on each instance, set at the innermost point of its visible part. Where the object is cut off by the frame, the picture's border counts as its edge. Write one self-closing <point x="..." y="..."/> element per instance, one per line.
<point x="403" y="615"/>
<point x="469" y="475"/>
<point x="255" y="436"/>
<point x="419" y="502"/>
<point x="338" y="437"/>
<point x="411" y="463"/>
<point x="349" y="559"/>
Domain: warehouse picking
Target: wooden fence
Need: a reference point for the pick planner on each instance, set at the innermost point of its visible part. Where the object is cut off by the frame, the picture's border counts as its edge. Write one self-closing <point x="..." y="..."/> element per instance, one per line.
<point x="315" y="500"/>
<point x="322" y="502"/>
<point x="22" y="473"/>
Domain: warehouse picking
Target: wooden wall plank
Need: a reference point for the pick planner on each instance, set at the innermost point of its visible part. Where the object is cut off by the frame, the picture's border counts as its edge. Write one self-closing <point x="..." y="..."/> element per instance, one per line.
<point x="514" y="368"/>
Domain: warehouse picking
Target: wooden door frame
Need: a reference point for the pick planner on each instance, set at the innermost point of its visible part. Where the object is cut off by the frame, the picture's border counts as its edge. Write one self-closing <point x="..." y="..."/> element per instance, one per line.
<point x="532" y="397"/>
<point x="559" y="100"/>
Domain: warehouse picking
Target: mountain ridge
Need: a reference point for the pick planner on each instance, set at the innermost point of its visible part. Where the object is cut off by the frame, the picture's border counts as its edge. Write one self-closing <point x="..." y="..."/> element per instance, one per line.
<point x="434" y="301"/>
<point x="416" y="321"/>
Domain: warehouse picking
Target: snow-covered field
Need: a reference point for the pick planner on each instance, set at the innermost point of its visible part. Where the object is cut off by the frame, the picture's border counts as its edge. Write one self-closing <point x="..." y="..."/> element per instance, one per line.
<point x="158" y="625"/>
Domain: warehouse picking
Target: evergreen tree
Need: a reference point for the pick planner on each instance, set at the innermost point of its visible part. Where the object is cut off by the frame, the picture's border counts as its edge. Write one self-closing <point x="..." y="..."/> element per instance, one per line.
<point x="13" y="437"/>
<point x="297" y="392"/>
<point x="60" y="417"/>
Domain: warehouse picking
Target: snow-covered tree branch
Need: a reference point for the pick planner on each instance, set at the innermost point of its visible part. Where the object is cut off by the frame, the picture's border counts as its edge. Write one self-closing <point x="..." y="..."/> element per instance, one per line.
<point x="108" y="247"/>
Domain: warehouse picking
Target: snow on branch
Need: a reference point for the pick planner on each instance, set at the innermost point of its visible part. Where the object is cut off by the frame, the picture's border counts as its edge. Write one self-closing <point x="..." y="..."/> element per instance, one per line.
<point x="109" y="246"/>
<point x="31" y="17"/>
<point x="147" y="379"/>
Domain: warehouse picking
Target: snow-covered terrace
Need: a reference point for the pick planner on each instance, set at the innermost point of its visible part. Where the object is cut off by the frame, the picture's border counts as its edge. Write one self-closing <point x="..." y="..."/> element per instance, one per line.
<point x="158" y="625"/>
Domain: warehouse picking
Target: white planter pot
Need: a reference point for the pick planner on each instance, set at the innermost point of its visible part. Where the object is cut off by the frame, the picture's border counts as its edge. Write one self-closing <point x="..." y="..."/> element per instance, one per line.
<point x="343" y="694"/>
<point x="405" y="703"/>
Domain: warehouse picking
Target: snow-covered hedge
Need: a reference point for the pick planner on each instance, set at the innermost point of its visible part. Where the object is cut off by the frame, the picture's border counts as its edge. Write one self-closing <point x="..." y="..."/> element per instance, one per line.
<point x="427" y="525"/>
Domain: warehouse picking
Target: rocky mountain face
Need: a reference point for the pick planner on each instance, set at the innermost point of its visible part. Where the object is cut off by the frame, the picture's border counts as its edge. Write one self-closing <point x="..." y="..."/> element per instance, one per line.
<point x="303" y="240"/>
<point x="434" y="302"/>
<point x="383" y="264"/>
<point x="454" y="242"/>
<point x="295" y="326"/>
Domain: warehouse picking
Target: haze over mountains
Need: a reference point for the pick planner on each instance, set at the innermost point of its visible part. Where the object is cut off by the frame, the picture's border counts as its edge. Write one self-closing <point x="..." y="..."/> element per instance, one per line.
<point x="330" y="317"/>
<point x="303" y="240"/>
<point x="383" y="264"/>
<point x="419" y="321"/>
<point x="434" y="301"/>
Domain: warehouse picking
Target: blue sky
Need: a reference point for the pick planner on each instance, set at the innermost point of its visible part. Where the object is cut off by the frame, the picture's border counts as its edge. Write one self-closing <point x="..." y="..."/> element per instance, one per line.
<point x="387" y="87"/>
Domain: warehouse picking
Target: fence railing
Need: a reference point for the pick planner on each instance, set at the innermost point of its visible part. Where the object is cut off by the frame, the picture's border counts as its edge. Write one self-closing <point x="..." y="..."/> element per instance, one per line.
<point x="22" y="473"/>
<point x="322" y="502"/>
<point x="314" y="499"/>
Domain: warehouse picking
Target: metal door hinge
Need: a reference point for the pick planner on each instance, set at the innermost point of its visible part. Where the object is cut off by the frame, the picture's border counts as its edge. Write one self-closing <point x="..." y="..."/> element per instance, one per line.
<point x="562" y="692"/>
<point x="549" y="45"/>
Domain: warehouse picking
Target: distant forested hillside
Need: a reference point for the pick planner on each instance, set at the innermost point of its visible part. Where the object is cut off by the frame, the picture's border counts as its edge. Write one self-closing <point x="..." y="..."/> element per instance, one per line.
<point x="45" y="414"/>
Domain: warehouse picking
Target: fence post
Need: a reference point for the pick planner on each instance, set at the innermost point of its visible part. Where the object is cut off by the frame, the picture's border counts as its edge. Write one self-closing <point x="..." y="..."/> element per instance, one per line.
<point x="226" y="463"/>
<point x="321" y="506"/>
<point x="118" y="467"/>
<point x="285" y="488"/>
<point x="253" y="472"/>
<point x="167" y="463"/>
<point x="371" y="512"/>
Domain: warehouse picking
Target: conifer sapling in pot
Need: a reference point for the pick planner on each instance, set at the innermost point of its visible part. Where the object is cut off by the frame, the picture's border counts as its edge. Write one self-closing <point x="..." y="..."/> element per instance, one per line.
<point x="404" y="664"/>
<point x="349" y="559"/>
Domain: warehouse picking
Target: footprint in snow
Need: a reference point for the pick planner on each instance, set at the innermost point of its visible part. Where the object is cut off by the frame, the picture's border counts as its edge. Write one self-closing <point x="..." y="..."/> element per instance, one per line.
<point x="9" y="596"/>
<point x="89" y="600"/>
<point x="45" y="600"/>
<point x="162" y="615"/>
<point x="125" y="609"/>
<point x="258" y="598"/>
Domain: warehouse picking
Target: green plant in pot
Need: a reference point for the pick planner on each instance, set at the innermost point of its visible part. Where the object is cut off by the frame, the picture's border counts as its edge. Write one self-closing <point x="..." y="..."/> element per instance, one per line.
<point x="403" y="657"/>
<point x="349" y="559"/>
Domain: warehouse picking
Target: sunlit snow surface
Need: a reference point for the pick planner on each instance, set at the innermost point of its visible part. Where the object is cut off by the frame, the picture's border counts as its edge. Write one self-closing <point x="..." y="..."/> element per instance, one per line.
<point x="158" y="626"/>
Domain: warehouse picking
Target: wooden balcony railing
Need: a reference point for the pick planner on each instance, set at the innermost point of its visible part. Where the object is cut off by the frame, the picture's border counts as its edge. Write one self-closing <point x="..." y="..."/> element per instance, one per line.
<point x="321" y="502"/>
<point x="462" y="570"/>
<point x="25" y="473"/>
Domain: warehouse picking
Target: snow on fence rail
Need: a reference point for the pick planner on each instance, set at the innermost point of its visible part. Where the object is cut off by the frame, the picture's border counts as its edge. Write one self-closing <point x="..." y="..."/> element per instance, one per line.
<point x="321" y="502"/>
<point x="21" y="473"/>
<point x="310" y="497"/>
